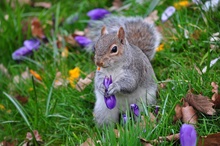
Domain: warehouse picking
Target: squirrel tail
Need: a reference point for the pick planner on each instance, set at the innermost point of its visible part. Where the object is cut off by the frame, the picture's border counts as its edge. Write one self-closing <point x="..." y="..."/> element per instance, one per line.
<point x="138" y="32"/>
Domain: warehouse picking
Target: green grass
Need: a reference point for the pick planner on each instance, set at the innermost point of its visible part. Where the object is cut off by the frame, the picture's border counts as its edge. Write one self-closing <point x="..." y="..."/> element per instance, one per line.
<point x="63" y="116"/>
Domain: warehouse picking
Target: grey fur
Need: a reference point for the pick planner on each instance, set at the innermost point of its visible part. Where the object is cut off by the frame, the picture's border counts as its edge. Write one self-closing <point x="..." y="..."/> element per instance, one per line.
<point x="149" y="37"/>
<point x="132" y="74"/>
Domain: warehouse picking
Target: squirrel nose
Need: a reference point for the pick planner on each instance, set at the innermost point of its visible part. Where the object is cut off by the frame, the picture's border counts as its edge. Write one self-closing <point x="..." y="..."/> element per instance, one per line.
<point x="100" y="64"/>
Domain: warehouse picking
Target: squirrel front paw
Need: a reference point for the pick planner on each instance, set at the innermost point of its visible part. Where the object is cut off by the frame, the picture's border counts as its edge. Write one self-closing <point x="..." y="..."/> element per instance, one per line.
<point x="113" y="88"/>
<point x="102" y="89"/>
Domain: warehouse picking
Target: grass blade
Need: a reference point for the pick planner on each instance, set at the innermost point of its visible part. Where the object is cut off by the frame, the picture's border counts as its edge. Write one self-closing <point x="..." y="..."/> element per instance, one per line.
<point x="19" y="108"/>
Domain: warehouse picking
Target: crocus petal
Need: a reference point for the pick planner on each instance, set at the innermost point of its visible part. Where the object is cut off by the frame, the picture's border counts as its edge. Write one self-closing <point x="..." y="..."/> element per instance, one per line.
<point x="168" y="13"/>
<point x="83" y="41"/>
<point x="188" y="135"/>
<point x="135" y="109"/>
<point x="156" y="110"/>
<point x="32" y="44"/>
<point x="106" y="82"/>
<point x="19" y="53"/>
<point x="110" y="101"/>
<point x="97" y="14"/>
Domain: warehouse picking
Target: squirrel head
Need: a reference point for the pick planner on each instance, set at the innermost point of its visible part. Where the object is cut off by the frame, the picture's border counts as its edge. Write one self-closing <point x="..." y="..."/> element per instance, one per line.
<point x="109" y="48"/>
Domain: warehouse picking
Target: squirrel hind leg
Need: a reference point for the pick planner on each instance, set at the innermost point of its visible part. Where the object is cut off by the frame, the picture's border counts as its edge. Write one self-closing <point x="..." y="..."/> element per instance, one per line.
<point x="151" y="96"/>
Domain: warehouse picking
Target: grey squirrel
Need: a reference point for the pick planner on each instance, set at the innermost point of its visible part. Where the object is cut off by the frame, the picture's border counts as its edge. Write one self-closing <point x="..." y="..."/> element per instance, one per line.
<point x="123" y="49"/>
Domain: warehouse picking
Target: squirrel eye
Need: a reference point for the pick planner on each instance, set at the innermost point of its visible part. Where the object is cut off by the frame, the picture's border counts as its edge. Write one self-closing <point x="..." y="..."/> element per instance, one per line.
<point x="114" y="49"/>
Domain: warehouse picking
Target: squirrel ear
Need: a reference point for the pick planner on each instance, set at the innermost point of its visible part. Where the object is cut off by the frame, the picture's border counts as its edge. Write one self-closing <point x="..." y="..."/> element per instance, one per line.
<point x="104" y="31"/>
<point x="121" y="35"/>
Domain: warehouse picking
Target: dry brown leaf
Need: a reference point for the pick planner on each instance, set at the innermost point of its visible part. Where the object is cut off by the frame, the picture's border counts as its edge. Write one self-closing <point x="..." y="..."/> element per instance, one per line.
<point x="78" y="33"/>
<point x="24" y="75"/>
<point x="59" y="81"/>
<point x="152" y="17"/>
<point x="70" y="40"/>
<point x="160" y="139"/>
<point x="4" y="70"/>
<point x="200" y="103"/>
<point x="209" y="140"/>
<point x="215" y="87"/>
<point x="29" y="138"/>
<point x="216" y="95"/>
<point x="88" y="142"/>
<point x="21" y="99"/>
<point x="117" y="3"/>
<point x="9" y="143"/>
<point x="42" y="4"/>
<point x="21" y="2"/>
<point x="36" y="29"/>
<point x="82" y="83"/>
<point x="178" y="111"/>
<point x="117" y="133"/>
<point x="189" y="115"/>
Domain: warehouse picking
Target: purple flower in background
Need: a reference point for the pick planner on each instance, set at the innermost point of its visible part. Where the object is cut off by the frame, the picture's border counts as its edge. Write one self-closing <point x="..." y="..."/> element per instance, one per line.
<point x="83" y="41"/>
<point x="188" y="135"/>
<point x="135" y="109"/>
<point x="110" y="100"/>
<point x="98" y="13"/>
<point x="124" y="118"/>
<point x="29" y="46"/>
<point x="168" y="13"/>
<point x="156" y="110"/>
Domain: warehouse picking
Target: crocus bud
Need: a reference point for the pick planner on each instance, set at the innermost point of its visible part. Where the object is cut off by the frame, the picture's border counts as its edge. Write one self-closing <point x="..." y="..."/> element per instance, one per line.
<point x="110" y="101"/>
<point x="188" y="135"/>
<point x="135" y="109"/>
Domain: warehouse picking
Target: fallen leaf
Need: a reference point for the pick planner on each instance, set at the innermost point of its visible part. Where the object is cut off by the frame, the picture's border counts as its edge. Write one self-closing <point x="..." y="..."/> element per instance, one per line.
<point x="209" y="140"/>
<point x="59" y="81"/>
<point x="4" y="70"/>
<point x="9" y="143"/>
<point x="29" y="137"/>
<point x="36" y="29"/>
<point x="189" y="115"/>
<point x="178" y="111"/>
<point x="160" y="139"/>
<point x="78" y="33"/>
<point x="200" y="103"/>
<point x="216" y="95"/>
<point x="116" y="4"/>
<point x="21" y="2"/>
<point x="88" y="142"/>
<point x="42" y="4"/>
<point x="21" y="99"/>
<point x="24" y="75"/>
<point x="65" y="53"/>
<point x="153" y="17"/>
<point x="82" y="83"/>
<point x="117" y="133"/>
<point x="70" y="40"/>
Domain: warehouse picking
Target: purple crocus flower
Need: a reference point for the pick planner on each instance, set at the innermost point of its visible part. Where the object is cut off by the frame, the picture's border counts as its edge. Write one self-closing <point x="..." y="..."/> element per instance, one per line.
<point x="156" y="110"/>
<point x="29" y="46"/>
<point x="98" y="13"/>
<point x="110" y="100"/>
<point x="124" y="118"/>
<point x="188" y="135"/>
<point x="135" y="109"/>
<point x="83" y="41"/>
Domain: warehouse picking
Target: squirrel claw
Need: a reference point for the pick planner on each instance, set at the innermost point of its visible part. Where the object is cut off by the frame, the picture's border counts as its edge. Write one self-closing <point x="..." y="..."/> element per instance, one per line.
<point x="113" y="88"/>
